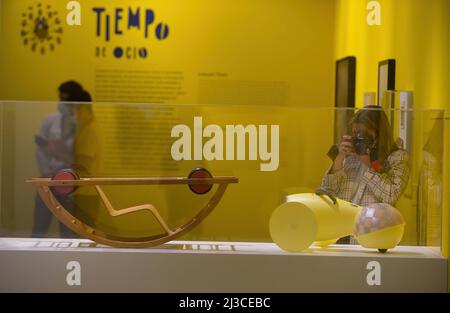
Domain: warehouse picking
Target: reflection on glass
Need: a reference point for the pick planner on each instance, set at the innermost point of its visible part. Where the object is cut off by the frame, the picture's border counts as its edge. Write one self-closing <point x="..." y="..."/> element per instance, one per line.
<point x="430" y="188"/>
<point x="134" y="140"/>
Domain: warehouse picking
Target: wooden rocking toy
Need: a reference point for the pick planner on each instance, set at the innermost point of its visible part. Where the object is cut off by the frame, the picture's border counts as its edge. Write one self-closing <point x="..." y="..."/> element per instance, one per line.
<point x="65" y="182"/>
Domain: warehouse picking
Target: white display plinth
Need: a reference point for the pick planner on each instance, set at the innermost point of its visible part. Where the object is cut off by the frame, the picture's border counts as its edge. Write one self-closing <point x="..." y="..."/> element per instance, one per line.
<point x="44" y="265"/>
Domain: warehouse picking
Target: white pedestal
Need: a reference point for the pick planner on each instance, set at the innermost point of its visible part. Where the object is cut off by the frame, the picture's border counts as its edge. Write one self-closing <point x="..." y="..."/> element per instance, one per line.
<point x="39" y="265"/>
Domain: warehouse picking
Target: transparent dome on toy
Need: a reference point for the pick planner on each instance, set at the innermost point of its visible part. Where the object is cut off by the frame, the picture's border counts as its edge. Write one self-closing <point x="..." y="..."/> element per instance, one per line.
<point x="380" y="226"/>
<point x="376" y="217"/>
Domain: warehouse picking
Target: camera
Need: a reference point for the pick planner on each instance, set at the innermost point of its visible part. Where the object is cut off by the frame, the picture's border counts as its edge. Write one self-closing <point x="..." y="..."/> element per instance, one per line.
<point x="362" y="143"/>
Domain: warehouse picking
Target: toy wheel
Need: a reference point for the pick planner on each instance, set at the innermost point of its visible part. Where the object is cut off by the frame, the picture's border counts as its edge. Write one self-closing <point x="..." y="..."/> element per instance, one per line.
<point x="200" y="189"/>
<point x="382" y="250"/>
<point x="65" y="174"/>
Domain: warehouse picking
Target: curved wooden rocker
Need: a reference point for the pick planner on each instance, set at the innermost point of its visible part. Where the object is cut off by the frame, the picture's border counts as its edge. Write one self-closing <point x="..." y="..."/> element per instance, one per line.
<point x="200" y="181"/>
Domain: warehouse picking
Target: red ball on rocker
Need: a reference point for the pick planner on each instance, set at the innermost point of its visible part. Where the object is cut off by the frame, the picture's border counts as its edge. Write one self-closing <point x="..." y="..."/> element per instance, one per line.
<point x="65" y="174"/>
<point x="200" y="189"/>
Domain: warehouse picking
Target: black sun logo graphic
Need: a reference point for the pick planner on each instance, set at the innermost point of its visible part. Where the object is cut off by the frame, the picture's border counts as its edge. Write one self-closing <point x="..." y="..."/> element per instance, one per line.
<point x="41" y="28"/>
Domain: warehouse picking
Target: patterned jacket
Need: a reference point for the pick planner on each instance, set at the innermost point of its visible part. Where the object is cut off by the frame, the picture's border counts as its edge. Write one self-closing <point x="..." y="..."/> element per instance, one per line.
<point x="359" y="184"/>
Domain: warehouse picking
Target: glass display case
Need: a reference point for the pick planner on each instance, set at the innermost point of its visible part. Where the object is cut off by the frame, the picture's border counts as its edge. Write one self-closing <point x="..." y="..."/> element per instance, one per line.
<point x="267" y="152"/>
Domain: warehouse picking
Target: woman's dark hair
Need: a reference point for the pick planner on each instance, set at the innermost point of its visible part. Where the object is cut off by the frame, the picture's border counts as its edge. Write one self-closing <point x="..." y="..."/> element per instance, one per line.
<point x="375" y="119"/>
<point x="70" y="87"/>
<point x="81" y="96"/>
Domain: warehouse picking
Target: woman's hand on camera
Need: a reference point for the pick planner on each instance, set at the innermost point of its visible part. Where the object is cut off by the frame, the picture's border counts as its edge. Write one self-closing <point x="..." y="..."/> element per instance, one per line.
<point x="346" y="146"/>
<point x="345" y="149"/>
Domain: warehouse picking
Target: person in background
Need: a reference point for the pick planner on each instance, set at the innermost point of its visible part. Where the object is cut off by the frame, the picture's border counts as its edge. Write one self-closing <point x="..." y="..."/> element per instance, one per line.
<point x="370" y="167"/>
<point x="55" y="151"/>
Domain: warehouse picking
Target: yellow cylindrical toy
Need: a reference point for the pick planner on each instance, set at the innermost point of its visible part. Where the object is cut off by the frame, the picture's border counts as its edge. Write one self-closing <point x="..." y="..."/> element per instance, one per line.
<point x="322" y="219"/>
<point x="308" y="218"/>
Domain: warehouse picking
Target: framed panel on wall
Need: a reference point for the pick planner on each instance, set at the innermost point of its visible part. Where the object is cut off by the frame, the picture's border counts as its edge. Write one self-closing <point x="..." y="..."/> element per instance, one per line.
<point x="386" y="81"/>
<point x="386" y="87"/>
<point x="344" y="95"/>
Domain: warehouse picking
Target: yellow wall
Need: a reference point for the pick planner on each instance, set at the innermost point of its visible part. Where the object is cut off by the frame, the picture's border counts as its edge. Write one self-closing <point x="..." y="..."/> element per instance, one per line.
<point x="417" y="34"/>
<point x="250" y="41"/>
<point x="414" y="32"/>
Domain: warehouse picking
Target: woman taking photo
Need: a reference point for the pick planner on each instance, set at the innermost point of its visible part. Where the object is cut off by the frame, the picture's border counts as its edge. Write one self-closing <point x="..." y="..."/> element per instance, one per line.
<point x="370" y="167"/>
